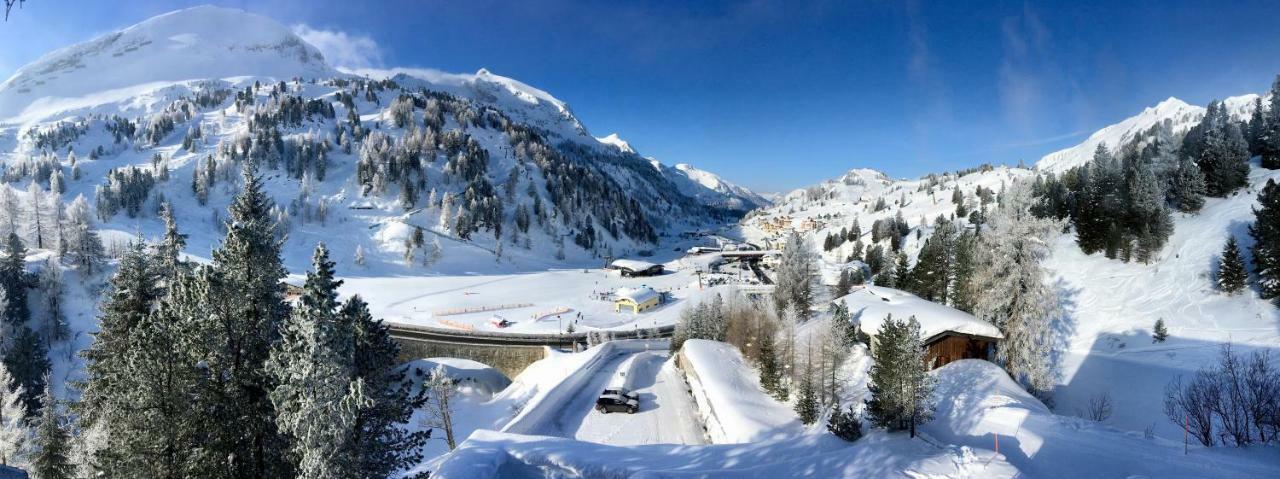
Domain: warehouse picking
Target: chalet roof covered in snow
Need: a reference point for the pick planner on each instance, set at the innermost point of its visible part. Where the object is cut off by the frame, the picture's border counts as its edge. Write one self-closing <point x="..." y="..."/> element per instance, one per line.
<point x="870" y="305"/>
<point x="637" y="295"/>
<point x="631" y="264"/>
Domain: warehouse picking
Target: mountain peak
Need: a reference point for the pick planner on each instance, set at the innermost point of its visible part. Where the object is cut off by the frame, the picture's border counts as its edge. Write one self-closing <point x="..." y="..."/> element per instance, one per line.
<point x="203" y="42"/>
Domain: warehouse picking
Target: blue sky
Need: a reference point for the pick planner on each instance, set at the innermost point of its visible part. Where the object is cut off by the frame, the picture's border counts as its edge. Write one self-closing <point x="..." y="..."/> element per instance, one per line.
<point x="778" y="95"/>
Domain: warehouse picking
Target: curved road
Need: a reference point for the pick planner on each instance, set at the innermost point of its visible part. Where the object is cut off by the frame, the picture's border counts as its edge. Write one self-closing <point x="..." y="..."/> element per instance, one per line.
<point x="666" y="415"/>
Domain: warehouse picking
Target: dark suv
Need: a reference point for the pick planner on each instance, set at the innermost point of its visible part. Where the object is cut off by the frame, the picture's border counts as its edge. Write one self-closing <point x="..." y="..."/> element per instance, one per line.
<point x="618" y="400"/>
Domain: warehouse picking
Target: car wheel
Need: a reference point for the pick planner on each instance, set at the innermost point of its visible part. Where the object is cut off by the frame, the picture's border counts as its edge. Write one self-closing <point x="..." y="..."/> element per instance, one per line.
<point x="632" y="410"/>
<point x="601" y="409"/>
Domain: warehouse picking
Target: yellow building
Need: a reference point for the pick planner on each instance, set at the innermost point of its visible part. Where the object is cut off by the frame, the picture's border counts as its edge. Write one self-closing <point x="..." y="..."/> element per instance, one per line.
<point x="635" y="299"/>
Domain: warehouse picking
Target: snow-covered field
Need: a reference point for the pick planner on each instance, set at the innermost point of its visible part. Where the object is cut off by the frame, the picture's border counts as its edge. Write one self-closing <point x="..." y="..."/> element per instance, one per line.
<point x="543" y="301"/>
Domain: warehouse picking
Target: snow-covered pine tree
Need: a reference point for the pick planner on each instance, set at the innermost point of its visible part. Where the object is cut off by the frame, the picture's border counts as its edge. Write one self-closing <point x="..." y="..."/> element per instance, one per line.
<point x="1270" y="136"/>
<point x="900" y="384"/>
<point x="1186" y="187"/>
<point x="1011" y="288"/>
<point x="844" y="423"/>
<point x="381" y="445"/>
<point x="313" y="366"/>
<point x="54" y="323"/>
<point x="359" y="255"/>
<point x="1232" y="277"/>
<point x="770" y="371"/>
<point x="932" y="276"/>
<point x="51" y="458"/>
<point x="842" y="326"/>
<point x="244" y="308"/>
<point x="1159" y="333"/>
<point x="131" y="295"/>
<point x="1266" y="240"/>
<point x="806" y="406"/>
<point x="169" y="251"/>
<point x="15" y="280"/>
<point x="796" y="275"/>
<point x="15" y="433"/>
<point x="85" y="247"/>
<point x="27" y="359"/>
<point x="148" y="429"/>
<point x="962" y="290"/>
<point x="901" y="272"/>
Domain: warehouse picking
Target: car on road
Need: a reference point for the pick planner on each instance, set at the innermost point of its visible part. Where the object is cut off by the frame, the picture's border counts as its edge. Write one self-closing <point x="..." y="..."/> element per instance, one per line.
<point x="618" y="400"/>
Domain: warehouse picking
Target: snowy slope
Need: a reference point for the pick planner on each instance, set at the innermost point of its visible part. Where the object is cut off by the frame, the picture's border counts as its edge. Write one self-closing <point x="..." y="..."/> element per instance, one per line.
<point x="836" y="204"/>
<point x="1181" y="115"/>
<point x="197" y="43"/>
<point x="976" y="402"/>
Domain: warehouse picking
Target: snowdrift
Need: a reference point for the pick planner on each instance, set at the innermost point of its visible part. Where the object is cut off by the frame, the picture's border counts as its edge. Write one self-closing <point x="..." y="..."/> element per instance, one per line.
<point x="489" y="454"/>
<point x="731" y="403"/>
<point x="977" y="401"/>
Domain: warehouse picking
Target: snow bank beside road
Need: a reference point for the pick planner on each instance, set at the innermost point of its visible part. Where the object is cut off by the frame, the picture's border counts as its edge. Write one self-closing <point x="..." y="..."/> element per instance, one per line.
<point x="730" y="401"/>
<point x="976" y="400"/>
<point x="489" y="454"/>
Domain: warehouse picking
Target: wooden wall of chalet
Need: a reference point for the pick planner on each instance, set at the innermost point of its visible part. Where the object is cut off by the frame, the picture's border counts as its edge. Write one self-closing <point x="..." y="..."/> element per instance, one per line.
<point x="954" y="347"/>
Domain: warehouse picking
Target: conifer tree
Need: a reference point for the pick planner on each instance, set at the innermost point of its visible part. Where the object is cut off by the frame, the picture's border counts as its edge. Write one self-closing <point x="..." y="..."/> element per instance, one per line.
<point x="1187" y="188"/>
<point x="807" y="400"/>
<point x="1232" y="276"/>
<point x="844" y="423"/>
<point x="900" y="383"/>
<point x="1270" y="136"/>
<point x="1012" y="293"/>
<point x="15" y="434"/>
<point x="15" y="280"/>
<point x="902" y="273"/>
<point x="244" y="307"/>
<point x="1159" y="333"/>
<point x="770" y="371"/>
<point x="130" y="297"/>
<point x="27" y="359"/>
<point x="1266" y="241"/>
<point x="796" y="275"/>
<point x="963" y="293"/>
<point x="51" y="458"/>
<point x="169" y="251"/>
<point x="313" y="365"/>
<point x="381" y="445"/>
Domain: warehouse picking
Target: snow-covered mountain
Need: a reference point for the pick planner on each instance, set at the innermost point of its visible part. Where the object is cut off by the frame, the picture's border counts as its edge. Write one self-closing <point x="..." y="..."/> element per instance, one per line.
<point x="195" y="92"/>
<point x="197" y="43"/>
<point x="1181" y="115"/>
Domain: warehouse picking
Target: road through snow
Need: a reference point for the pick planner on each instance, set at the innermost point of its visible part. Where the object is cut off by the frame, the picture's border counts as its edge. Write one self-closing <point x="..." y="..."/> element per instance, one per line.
<point x="666" y="413"/>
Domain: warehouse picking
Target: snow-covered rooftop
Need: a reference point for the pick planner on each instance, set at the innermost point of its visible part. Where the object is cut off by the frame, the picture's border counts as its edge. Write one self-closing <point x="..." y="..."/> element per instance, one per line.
<point x="631" y="264"/>
<point x="638" y="295"/>
<point x="870" y="305"/>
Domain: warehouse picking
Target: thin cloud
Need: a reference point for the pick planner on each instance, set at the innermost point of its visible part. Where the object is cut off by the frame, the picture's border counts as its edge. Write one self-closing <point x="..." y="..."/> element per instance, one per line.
<point x="1044" y="141"/>
<point x="342" y="49"/>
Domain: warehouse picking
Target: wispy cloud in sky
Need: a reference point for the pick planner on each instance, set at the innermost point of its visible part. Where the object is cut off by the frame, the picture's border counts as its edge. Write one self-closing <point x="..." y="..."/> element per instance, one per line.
<point x="342" y="49"/>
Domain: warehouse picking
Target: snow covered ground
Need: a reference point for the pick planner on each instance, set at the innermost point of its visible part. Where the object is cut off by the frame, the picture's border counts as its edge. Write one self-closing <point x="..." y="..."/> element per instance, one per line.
<point x="978" y="402"/>
<point x="1112" y="306"/>
<point x="540" y="302"/>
